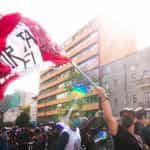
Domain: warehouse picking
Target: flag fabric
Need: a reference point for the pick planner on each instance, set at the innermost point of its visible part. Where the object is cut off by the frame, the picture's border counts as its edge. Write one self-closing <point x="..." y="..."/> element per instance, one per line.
<point x="80" y="90"/>
<point x="24" y="44"/>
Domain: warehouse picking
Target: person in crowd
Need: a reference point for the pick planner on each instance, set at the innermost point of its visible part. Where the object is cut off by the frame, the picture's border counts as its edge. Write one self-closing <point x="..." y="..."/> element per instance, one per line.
<point x="102" y="138"/>
<point x="123" y="134"/>
<point x="87" y="133"/>
<point x="12" y="140"/>
<point x="23" y="138"/>
<point x="63" y="136"/>
<point x="3" y="139"/>
<point x="44" y="136"/>
<point x="53" y="135"/>
<point x="38" y="140"/>
<point x="141" y="126"/>
<point x="68" y="139"/>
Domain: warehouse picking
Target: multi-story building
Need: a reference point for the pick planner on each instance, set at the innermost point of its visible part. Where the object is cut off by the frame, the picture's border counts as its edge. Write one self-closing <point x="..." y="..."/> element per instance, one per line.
<point x="93" y="46"/>
<point x="128" y="81"/>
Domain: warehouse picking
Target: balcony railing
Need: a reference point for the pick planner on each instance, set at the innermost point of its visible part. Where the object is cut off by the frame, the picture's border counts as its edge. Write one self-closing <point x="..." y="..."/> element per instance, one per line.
<point x="61" y="101"/>
<point x="81" y="36"/>
<point x="82" y="47"/>
<point x="143" y="82"/>
<point x="92" y="106"/>
<point x="55" y="92"/>
<point x="62" y="79"/>
<point x="86" y="107"/>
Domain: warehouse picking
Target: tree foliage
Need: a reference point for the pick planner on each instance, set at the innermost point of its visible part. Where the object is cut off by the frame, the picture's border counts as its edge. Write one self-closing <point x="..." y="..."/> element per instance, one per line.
<point x="23" y="119"/>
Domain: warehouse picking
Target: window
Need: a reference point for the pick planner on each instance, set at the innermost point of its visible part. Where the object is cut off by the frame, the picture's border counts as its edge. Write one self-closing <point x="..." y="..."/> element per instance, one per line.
<point x="65" y="84"/>
<point x="46" y="108"/>
<point x="115" y="82"/>
<point x="90" y="38"/>
<point x="146" y="73"/>
<point x="49" y="71"/>
<point x="83" y="41"/>
<point x="89" y="62"/>
<point x="95" y="98"/>
<point x="63" y="95"/>
<point x="133" y="71"/>
<point x="93" y="47"/>
<point x="116" y="101"/>
<point x="147" y="99"/>
<point x="134" y="99"/>
<point x="91" y="99"/>
<point x="47" y="99"/>
<point x="49" y="80"/>
<point x="107" y="70"/>
<point x="66" y="43"/>
<point x="65" y="74"/>
<point x="49" y="89"/>
<point x="93" y="73"/>
<point x="133" y="75"/>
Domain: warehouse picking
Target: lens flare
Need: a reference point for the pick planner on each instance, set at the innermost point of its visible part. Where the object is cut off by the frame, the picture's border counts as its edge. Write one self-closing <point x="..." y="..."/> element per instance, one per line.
<point x="80" y="90"/>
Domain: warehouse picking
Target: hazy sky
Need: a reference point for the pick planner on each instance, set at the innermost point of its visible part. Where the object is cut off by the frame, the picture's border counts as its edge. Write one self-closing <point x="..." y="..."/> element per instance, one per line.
<point x="62" y="18"/>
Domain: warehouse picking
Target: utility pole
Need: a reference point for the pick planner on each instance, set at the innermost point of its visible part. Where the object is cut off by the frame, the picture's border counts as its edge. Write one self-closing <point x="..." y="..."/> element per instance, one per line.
<point x="100" y="71"/>
<point x="125" y="85"/>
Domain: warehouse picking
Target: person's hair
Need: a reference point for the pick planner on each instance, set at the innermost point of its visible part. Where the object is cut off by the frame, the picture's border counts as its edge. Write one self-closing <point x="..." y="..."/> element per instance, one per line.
<point x="126" y="112"/>
<point x="127" y="118"/>
<point x="141" y="114"/>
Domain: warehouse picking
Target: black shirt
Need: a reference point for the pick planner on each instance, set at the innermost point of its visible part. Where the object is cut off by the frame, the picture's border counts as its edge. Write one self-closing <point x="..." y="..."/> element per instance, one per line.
<point x="125" y="141"/>
<point x="144" y="132"/>
<point x="62" y="141"/>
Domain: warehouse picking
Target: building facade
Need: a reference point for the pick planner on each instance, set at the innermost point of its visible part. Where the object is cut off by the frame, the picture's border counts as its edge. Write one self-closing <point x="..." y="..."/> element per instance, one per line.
<point x="83" y="48"/>
<point x="91" y="47"/>
<point x="128" y="81"/>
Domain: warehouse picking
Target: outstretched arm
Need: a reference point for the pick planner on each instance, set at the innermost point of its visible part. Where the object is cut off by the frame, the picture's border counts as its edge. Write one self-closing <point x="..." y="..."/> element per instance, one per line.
<point x="106" y="107"/>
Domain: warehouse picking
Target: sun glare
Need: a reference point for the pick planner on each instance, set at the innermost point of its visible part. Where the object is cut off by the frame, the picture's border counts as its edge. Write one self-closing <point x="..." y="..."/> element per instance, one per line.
<point x="130" y="16"/>
<point x="28" y="83"/>
<point x="64" y="18"/>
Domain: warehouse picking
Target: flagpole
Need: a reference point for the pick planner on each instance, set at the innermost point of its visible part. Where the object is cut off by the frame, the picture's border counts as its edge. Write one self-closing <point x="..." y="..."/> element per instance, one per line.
<point x="84" y="75"/>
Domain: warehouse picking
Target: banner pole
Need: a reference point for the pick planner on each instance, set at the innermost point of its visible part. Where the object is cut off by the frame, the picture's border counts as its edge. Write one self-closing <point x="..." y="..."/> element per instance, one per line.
<point x="84" y="75"/>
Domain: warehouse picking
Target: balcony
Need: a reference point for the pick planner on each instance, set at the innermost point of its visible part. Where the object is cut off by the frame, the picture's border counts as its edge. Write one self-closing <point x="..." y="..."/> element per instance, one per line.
<point x="54" y="102"/>
<point x="41" y="114"/>
<point x="143" y="83"/>
<point x="57" y="91"/>
<point x="90" y="67"/>
<point x="87" y="107"/>
<point x="82" y="47"/>
<point x="86" y="56"/>
<point x="81" y="36"/>
<point x="64" y="68"/>
<point x="53" y="83"/>
<point x="68" y="66"/>
<point x="60" y="101"/>
<point x="52" y="112"/>
<point x="45" y="71"/>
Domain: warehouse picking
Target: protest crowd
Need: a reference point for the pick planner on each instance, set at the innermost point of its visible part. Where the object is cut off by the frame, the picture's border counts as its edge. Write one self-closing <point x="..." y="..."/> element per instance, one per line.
<point x="21" y="39"/>
<point x="101" y="132"/>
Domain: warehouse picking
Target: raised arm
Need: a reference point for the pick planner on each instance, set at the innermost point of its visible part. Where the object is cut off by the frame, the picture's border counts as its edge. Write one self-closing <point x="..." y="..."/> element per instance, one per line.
<point x="106" y="107"/>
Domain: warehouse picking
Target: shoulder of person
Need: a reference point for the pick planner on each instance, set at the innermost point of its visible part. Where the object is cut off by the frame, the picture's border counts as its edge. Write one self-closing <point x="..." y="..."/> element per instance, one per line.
<point x="65" y="134"/>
